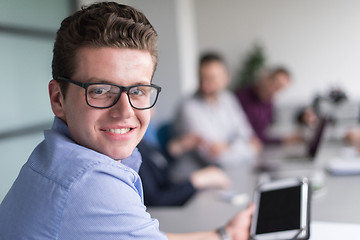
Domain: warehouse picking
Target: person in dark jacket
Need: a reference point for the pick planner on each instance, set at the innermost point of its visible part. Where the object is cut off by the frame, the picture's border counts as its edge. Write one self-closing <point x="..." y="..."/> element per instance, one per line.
<point x="159" y="189"/>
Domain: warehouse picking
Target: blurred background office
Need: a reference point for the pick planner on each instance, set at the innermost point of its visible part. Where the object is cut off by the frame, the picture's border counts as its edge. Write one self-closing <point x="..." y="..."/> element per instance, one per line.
<point x="317" y="40"/>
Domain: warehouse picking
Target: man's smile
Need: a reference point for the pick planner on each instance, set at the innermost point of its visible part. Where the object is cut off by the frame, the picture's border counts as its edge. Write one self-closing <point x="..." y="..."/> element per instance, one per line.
<point x="119" y="130"/>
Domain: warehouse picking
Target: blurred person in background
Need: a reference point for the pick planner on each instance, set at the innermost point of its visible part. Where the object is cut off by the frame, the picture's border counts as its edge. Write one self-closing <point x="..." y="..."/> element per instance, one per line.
<point x="307" y="117"/>
<point x="352" y="137"/>
<point x="159" y="188"/>
<point x="257" y="102"/>
<point x="211" y="126"/>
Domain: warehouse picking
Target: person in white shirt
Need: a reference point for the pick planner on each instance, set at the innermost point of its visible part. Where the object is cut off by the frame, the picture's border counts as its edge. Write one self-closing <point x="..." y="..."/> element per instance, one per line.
<point x="212" y="124"/>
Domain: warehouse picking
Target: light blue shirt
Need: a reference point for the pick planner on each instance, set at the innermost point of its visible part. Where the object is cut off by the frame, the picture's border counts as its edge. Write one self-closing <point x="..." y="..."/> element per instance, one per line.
<point x="66" y="191"/>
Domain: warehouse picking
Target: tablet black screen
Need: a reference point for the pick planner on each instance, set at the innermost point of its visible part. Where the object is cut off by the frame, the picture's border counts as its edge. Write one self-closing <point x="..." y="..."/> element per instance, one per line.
<point x="279" y="210"/>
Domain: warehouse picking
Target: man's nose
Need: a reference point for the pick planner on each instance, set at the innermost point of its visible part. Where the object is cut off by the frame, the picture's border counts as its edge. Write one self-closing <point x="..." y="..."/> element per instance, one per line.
<point x="123" y="107"/>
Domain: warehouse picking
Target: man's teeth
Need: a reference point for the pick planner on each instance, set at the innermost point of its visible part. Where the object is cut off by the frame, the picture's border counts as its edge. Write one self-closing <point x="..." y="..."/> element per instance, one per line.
<point x="119" y="131"/>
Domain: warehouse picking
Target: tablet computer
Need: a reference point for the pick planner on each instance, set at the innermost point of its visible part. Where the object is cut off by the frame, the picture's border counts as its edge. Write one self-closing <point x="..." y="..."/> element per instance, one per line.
<point x="282" y="210"/>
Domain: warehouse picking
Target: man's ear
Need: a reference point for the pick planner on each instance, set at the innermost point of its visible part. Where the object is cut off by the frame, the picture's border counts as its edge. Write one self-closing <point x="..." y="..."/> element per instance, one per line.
<point x="56" y="99"/>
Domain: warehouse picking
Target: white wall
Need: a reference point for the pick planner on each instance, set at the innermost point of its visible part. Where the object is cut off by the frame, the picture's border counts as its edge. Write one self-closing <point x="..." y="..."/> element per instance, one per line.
<point x="187" y="47"/>
<point x="318" y="40"/>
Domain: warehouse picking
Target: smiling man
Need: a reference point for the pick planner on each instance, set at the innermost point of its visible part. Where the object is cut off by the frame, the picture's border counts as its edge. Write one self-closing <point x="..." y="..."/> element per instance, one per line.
<point x="113" y="131"/>
<point x="81" y="182"/>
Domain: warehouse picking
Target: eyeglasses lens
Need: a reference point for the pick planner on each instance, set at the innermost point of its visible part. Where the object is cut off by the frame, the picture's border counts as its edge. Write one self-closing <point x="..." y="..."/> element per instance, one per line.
<point x="105" y="95"/>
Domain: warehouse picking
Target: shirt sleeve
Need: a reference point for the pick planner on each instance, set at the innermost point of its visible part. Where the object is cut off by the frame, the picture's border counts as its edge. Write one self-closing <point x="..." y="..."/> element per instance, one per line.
<point x="239" y="152"/>
<point x="187" y="118"/>
<point x="240" y="147"/>
<point x="258" y="114"/>
<point x="105" y="203"/>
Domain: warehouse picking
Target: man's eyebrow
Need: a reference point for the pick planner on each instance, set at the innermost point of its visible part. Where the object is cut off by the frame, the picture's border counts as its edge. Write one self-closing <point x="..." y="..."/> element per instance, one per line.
<point x="143" y="82"/>
<point x="98" y="80"/>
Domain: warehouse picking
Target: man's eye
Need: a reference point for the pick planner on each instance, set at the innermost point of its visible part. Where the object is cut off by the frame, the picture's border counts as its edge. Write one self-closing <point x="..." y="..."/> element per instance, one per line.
<point x="137" y="92"/>
<point x="98" y="91"/>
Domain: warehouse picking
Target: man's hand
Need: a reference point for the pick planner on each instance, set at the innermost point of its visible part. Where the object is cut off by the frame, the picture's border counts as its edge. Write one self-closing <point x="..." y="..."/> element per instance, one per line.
<point x="210" y="177"/>
<point x="239" y="227"/>
<point x="217" y="148"/>
<point x="183" y="144"/>
<point x="293" y="139"/>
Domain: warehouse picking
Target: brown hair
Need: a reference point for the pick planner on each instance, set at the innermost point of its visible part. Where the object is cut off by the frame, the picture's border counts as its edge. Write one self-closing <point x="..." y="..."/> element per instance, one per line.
<point x="210" y="57"/>
<point x="270" y="73"/>
<point x="279" y="70"/>
<point x="105" y="24"/>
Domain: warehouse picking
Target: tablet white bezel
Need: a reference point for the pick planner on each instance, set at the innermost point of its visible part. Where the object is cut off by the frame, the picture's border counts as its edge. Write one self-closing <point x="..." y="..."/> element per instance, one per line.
<point x="279" y="184"/>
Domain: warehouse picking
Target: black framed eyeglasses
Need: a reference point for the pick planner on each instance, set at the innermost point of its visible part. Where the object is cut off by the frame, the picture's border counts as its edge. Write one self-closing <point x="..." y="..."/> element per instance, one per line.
<point x="106" y="95"/>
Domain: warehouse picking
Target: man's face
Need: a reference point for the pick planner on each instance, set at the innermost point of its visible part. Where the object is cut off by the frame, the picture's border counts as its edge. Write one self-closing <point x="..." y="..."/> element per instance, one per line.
<point x="213" y="78"/>
<point x="114" y="131"/>
<point x="276" y="83"/>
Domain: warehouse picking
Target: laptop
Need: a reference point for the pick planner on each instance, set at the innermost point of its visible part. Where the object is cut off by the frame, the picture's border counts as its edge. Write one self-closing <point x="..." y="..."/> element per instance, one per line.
<point x="313" y="144"/>
<point x="300" y="155"/>
<point x="297" y="162"/>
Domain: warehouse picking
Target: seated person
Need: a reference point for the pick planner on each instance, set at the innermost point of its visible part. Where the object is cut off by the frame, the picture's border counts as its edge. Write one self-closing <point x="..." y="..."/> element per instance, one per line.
<point x="211" y="122"/>
<point x="307" y="117"/>
<point x="81" y="181"/>
<point x="352" y="137"/>
<point x="158" y="187"/>
<point x="257" y="102"/>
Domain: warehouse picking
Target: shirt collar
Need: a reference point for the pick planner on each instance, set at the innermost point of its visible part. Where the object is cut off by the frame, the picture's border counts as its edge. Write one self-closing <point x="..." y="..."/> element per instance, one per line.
<point x="133" y="162"/>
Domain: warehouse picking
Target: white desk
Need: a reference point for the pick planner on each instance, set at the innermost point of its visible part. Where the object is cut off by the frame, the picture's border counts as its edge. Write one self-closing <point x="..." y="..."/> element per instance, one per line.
<point x="339" y="202"/>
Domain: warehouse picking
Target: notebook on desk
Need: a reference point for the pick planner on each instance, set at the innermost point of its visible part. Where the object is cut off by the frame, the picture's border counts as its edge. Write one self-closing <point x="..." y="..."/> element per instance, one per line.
<point x="345" y="162"/>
